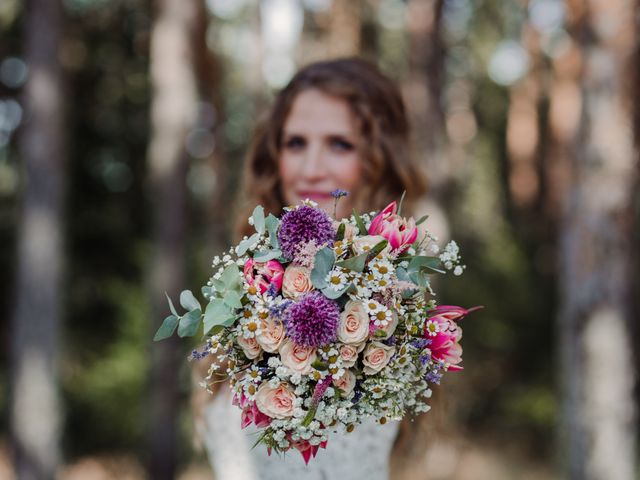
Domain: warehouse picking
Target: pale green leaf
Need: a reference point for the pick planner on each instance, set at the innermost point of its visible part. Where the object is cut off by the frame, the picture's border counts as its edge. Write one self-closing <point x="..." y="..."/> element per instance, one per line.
<point x="244" y="245"/>
<point x="324" y="260"/>
<point x="188" y="301"/>
<point x="167" y="328"/>
<point x="189" y="324"/>
<point x="258" y="219"/>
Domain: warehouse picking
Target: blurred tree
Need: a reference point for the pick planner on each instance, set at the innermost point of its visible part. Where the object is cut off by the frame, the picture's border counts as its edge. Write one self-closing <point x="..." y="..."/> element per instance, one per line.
<point x="173" y="115"/>
<point x="596" y="244"/>
<point x="35" y="405"/>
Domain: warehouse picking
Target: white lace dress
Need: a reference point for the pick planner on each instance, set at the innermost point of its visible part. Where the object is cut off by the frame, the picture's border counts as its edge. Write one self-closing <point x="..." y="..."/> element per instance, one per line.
<point x="362" y="454"/>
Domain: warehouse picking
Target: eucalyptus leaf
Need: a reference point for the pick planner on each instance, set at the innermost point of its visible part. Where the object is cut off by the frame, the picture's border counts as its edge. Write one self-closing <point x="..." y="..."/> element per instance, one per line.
<point x="258" y="219"/>
<point x="217" y="313"/>
<point x="232" y="299"/>
<point x="218" y="285"/>
<point x="267" y="255"/>
<point x="189" y="323"/>
<point x="188" y="301"/>
<point x="333" y="294"/>
<point x="167" y="328"/>
<point x="272" y="224"/>
<point x="402" y="274"/>
<point x="171" y="307"/>
<point x="231" y="277"/>
<point x="360" y="223"/>
<point x="324" y="260"/>
<point x="215" y="330"/>
<point x="420" y="262"/>
<point x="244" y="245"/>
<point x="355" y="264"/>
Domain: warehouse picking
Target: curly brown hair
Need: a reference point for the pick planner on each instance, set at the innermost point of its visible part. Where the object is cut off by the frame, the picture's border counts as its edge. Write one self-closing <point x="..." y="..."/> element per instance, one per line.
<point x="382" y="120"/>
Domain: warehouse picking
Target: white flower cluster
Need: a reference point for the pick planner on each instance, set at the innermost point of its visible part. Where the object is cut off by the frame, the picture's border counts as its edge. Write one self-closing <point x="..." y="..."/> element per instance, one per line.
<point x="450" y="258"/>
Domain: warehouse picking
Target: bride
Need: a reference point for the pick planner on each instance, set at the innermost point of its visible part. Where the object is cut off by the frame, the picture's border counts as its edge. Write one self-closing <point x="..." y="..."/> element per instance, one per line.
<point x="338" y="124"/>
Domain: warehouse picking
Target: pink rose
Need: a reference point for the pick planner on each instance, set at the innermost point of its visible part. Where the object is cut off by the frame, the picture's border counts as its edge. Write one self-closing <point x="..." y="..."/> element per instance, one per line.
<point x="376" y="356"/>
<point x="346" y="383"/>
<point x="272" y="334"/>
<point x="296" y="357"/>
<point x="354" y="323"/>
<point x="275" y="402"/>
<point x="250" y="347"/>
<point x="400" y="232"/>
<point x="261" y="275"/>
<point x="296" y="281"/>
<point x="388" y="329"/>
<point x="349" y="354"/>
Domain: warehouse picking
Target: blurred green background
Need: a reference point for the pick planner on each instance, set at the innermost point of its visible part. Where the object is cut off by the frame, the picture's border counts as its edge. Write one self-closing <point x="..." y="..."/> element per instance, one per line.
<point x="509" y="100"/>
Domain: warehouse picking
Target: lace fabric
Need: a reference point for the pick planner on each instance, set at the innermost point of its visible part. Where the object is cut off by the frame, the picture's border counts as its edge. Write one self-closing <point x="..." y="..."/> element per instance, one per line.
<point x="362" y="454"/>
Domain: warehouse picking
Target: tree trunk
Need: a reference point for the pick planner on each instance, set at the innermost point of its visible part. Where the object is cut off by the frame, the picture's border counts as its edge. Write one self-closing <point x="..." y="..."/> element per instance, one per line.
<point x="596" y="243"/>
<point x="35" y="405"/>
<point x="173" y="112"/>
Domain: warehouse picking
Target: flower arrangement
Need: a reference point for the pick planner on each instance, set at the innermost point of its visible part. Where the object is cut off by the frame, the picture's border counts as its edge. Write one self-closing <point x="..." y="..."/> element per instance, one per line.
<point x="319" y="323"/>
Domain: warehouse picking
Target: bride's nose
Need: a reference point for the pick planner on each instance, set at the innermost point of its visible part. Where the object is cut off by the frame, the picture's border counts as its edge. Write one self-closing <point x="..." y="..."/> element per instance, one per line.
<point x="314" y="162"/>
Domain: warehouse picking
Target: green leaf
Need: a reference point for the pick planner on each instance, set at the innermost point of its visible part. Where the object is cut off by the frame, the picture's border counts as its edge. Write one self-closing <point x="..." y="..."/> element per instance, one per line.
<point x="267" y="255"/>
<point x="218" y="285"/>
<point x="402" y="274"/>
<point x="272" y="224"/>
<point x="401" y="202"/>
<point x="244" y="245"/>
<point x="216" y="330"/>
<point x="189" y="324"/>
<point x="377" y="248"/>
<point x="320" y="365"/>
<point x="324" y="260"/>
<point x="309" y="416"/>
<point x="171" y="307"/>
<point x="167" y="328"/>
<point x="358" y="262"/>
<point x="355" y="264"/>
<point x="418" y="263"/>
<point x="232" y="299"/>
<point x="422" y="219"/>
<point x="217" y="314"/>
<point x="333" y="294"/>
<point x="188" y="301"/>
<point x="258" y="219"/>
<point x="380" y="333"/>
<point x="231" y="277"/>
<point x="340" y="232"/>
<point x="360" y="223"/>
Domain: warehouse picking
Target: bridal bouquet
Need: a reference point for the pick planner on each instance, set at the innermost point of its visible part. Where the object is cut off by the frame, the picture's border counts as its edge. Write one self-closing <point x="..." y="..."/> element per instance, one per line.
<point x="320" y="323"/>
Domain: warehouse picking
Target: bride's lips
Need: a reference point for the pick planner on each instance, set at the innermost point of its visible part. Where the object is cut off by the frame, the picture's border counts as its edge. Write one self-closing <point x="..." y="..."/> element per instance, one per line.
<point x="314" y="195"/>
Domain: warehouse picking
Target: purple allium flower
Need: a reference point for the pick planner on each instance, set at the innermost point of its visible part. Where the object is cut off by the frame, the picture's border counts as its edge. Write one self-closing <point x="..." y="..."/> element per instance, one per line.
<point x="313" y="320"/>
<point x="302" y="225"/>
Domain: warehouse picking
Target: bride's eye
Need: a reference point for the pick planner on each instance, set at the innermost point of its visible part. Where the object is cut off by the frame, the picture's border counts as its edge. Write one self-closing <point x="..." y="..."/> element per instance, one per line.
<point x="295" y="143"/>
<point x="341" y="145"/>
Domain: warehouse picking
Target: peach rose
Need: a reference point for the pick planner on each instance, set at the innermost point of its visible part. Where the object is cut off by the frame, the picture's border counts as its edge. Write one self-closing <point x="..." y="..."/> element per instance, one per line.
<point x="388" y="330"/>
<point x="250" y="347"/>
<point x="346" y="383"/>
<point x="349" y="354"/>
<point x="354" y="323"/>
<point x="272" y="334"/>
<point x="367" y="242"/>
<point x="296" y="281"/>
<point x="296" y="357"/>
<point x="376" y="356"/>
<point x="275" y="402"/>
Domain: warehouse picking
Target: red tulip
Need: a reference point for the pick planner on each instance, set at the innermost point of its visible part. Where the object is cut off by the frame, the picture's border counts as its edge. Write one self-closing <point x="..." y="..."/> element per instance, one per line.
<point x="399" y="231"/>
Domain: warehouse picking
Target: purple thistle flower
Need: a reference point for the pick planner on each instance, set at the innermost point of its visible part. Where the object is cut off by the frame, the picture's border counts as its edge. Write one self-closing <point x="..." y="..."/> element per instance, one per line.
<point x="337" y="193"/>
<point x="313" y="320"/>
<point x="433" y="377"/>
<point x="302" y="225"/>
<point x="277" y="311"/>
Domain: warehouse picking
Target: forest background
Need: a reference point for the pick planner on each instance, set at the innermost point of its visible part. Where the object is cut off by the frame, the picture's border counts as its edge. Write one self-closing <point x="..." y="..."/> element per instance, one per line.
<point x="123" y="126"/>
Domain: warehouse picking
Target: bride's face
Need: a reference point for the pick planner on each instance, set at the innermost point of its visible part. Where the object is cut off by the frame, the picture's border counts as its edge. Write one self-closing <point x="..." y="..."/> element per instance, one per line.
<point x="319" y="152"/>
